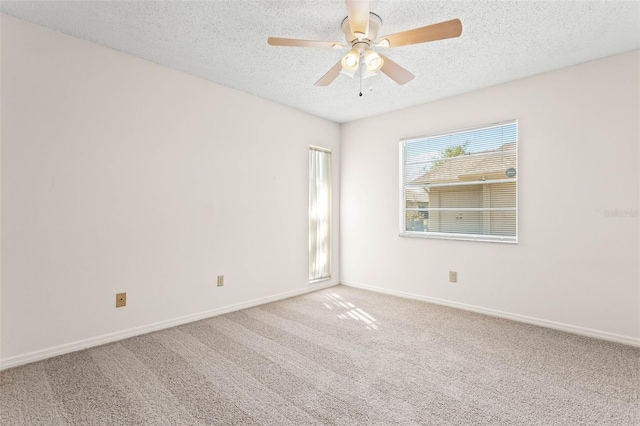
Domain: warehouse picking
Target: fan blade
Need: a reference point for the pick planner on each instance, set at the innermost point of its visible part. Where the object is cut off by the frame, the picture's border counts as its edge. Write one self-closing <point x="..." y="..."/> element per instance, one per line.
<point x="276" y="41"/>
<point x="395" y="71"/>
<point x="441" y="31"/>
<point x="331" y="75"/>
<point x="358" y="13"/>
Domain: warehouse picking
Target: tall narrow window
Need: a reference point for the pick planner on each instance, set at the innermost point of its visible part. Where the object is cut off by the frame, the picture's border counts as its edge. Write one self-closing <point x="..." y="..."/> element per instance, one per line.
<point x="319" y="214"/>
<point x="461" y="185"/>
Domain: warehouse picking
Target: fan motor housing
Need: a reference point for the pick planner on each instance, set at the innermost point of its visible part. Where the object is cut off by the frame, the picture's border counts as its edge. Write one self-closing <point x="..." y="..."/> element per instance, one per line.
<point x="374" y="24"/>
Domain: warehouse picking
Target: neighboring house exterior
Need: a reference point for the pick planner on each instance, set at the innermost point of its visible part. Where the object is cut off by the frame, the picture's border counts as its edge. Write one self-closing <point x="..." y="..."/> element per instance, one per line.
<point x="483" y="180"/>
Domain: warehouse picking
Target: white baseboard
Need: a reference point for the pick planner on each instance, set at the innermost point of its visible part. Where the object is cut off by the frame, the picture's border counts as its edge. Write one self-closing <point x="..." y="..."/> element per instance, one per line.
<point x="124" y="334"/>
<point x="627" y="340"/>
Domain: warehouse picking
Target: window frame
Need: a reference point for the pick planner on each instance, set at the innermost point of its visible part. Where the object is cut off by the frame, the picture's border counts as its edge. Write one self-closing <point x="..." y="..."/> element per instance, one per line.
<point x="329" y="222"/>
<point x="403" y="232"/>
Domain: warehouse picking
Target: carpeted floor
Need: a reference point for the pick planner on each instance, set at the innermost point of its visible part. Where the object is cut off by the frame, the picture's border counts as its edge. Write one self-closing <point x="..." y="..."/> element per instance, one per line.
<point x="340" y="356"/>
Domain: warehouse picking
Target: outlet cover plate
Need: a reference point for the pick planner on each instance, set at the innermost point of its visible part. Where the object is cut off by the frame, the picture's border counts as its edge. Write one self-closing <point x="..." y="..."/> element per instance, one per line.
<point x="121" y="300"/>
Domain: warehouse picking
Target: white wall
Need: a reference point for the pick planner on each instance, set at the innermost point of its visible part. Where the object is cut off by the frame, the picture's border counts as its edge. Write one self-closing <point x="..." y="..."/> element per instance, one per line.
<point x="121" y="175"/>
<point x="574" y="268"/>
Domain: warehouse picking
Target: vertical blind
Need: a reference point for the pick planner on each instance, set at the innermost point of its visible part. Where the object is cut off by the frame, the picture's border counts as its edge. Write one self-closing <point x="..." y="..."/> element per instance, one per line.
<point x="319" y="214"/>
<point x="461" y="185"/>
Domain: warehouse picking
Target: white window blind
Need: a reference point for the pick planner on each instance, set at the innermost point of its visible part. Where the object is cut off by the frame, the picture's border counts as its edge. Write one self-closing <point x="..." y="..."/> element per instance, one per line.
<point x="461" y="185"/>
<point x="319" y="214"/>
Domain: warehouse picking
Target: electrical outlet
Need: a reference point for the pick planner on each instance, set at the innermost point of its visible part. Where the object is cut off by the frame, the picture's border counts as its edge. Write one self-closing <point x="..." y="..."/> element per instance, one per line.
<point x="220" y="280"/>
<point x="453" y="277"/>
<point x="121" y="300"/>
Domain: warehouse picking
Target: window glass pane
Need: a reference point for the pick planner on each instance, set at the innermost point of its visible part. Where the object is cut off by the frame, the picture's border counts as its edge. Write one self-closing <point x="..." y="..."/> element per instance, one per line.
<point x="502" y="223"/>
<point x="461" y="183"/>
<point x="416" y="221"/>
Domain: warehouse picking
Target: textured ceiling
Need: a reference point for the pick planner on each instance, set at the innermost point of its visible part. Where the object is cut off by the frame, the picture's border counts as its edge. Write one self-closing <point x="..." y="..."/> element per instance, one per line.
<point x="225" y="41"/>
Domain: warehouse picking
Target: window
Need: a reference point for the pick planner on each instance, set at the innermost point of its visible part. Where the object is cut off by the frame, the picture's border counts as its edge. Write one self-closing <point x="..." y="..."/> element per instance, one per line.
<point x="319" y="214"/>
<point x="461" y="185"/>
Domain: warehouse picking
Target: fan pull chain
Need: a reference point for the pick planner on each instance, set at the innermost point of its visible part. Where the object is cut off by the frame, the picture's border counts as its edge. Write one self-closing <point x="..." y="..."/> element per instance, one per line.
<point x="360" y="80"/>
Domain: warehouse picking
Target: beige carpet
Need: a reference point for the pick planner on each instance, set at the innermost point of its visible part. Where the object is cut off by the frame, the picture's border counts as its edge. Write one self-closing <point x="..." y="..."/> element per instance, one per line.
<point x="339" y="356"/>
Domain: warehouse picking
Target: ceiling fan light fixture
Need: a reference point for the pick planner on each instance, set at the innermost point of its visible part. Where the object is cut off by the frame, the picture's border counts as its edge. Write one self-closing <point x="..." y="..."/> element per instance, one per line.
<point x="368" y="74"/>
<point x="349" y="74"/>
<point x="373" y="60"/>
<point x="351" y="60"/>
<point x="360" y="29"/>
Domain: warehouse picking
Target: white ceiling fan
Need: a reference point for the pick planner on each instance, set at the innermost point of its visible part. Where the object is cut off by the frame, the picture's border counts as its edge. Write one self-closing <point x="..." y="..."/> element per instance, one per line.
<point x="360" y="29"/>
